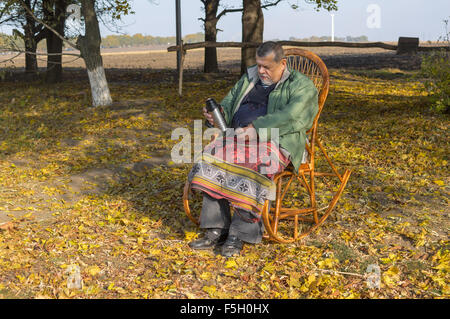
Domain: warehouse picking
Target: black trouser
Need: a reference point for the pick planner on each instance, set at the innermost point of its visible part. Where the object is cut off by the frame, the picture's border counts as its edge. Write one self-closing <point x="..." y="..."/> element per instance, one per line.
<point x="216" y="214"/>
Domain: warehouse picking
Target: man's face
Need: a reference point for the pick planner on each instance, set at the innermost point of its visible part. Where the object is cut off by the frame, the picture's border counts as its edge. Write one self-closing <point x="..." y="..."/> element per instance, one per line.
<point x="269" y="71"/>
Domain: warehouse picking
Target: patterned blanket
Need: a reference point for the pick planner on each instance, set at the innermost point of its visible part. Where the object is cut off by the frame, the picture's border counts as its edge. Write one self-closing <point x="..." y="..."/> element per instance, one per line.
<point x="240" y="171"/>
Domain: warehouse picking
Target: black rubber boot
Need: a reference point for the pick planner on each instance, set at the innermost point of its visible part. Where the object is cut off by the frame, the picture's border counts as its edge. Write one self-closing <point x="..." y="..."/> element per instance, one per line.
<point x="213" y="237"/>
<point x="232" y="246"/>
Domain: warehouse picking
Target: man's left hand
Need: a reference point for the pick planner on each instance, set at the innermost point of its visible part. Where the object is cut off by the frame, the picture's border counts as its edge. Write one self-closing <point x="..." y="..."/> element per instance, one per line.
<point x="248" y="131"/>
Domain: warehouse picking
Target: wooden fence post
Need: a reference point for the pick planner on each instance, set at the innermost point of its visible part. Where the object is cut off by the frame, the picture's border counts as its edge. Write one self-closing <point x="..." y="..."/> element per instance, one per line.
<point x="180" y="72"/>
<point x="407" y="45"/>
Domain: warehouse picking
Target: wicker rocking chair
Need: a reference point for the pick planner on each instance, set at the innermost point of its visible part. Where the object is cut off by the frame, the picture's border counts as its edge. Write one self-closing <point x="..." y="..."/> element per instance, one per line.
<point x="284" y="221"/>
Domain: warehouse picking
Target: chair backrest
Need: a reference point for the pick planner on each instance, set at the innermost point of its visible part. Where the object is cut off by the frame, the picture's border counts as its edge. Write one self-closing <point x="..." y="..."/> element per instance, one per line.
<point x="312" y="66"/>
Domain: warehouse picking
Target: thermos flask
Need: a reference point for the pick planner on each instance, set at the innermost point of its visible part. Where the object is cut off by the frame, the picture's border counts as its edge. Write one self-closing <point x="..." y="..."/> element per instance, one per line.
<point x="214" y="109"/>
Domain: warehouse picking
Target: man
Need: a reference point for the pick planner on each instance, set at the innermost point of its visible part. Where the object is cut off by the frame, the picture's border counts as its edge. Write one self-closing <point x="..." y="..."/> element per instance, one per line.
<point x="269" y="96"/>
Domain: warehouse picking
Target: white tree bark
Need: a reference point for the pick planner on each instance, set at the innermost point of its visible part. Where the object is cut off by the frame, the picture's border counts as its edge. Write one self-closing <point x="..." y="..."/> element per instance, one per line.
<point x="99" y="87"/>
<point x="89" y="46"/>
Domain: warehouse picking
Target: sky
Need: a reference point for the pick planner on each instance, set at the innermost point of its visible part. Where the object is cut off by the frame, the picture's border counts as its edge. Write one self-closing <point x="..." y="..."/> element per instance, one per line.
<point x="380" y="20"/>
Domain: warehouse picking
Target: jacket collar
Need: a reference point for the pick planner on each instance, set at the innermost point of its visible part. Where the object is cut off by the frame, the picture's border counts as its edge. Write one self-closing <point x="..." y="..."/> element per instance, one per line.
<point x="252" y="73"/>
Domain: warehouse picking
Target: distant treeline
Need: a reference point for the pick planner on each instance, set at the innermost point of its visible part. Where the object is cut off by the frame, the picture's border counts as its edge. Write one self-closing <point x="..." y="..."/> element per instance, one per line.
<point x="121" y="41"/>
<point x="118" y="41"/>
<point x="112" y="41"/>
<point x="348" y="38"/>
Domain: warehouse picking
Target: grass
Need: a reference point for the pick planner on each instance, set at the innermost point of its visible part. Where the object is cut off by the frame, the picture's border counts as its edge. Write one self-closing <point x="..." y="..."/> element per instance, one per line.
<point x="93" y="188"/>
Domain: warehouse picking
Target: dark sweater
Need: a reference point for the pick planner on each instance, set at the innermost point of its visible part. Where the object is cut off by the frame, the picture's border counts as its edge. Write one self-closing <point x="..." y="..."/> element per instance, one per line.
<point x="253" y="105"/>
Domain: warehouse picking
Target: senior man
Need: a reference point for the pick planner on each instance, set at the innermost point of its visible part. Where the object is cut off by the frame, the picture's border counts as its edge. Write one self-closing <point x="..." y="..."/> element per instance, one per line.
<point x="269" y="96"/>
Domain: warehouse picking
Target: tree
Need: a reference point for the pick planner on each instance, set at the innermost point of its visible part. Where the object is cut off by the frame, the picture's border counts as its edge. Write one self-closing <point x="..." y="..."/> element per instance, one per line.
<point x="210" y="25"/>
<point x="89" y="45"/>
<point x="54" y="14"/>
<point x="25" y="28"/>
<point x="25" y="14"/>
<point x="31" y="37"/>
<point x="252" y="30"/>
<point x="253" y="24"/>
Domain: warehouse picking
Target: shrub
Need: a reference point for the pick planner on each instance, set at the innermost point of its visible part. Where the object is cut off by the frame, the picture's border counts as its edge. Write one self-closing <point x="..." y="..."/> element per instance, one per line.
<point x="436" y="71"/>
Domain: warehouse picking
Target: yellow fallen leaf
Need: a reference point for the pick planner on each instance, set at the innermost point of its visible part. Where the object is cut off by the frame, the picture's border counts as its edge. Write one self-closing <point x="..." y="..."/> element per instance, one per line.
<point x="93" y="270"/>
<point x="155" y="251"/>
<point x="190" y="296"/>
<point x="230" y="264"/>
<point x="229" y="274"/>
<point x="391" y="276"/>
<point x="211" y="290"/>
<point x="440" y="183"/>
<point x="190" y="235"/>
<point x="206" y="275"/>
<point x="28" y="215"/>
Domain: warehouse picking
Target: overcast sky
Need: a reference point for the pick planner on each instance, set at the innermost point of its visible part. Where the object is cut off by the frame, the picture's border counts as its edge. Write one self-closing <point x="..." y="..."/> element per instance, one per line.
<point x="380" y="20"/>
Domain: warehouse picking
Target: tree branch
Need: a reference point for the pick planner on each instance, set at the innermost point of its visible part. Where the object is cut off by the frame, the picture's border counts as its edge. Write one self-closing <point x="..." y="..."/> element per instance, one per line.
<point x="47" y="26"/>
<point x="225" y="11"/>
<point x="270" y="4"/>
<point x="36" y="53"/>
<point x="10" y="59"/>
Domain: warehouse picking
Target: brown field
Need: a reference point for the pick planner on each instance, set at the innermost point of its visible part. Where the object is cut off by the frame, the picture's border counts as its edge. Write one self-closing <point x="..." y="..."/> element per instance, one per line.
<point x="229" y="58"/>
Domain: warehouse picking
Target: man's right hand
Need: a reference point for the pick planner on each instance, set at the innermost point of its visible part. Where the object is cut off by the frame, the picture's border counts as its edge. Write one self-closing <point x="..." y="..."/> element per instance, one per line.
<point x="208" y="116"/>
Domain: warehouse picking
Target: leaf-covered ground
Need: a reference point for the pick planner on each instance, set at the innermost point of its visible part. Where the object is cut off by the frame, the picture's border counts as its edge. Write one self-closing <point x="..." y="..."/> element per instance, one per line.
<point x="95" y="189"/>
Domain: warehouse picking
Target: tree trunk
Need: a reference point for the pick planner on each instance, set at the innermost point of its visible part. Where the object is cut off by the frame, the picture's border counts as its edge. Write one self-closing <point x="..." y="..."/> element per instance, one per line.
<point x="31" y="65"/>
<point x="56" y="13"/>
<point x="89" y="46"/>
<point x="30" y="43"/>
<point x="54" y="66"/>
<point x="252" y="31"/>
<point x="211" y="7"/>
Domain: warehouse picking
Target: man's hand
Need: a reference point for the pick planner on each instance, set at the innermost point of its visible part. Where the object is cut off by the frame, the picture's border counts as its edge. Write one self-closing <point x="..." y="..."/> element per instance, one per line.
<point x="249" y="132"/>
<point x="208" y="116"/>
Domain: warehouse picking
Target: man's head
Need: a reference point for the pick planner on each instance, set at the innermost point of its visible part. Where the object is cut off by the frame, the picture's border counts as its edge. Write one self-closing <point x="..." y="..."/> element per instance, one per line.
<point x="271" y="62"/>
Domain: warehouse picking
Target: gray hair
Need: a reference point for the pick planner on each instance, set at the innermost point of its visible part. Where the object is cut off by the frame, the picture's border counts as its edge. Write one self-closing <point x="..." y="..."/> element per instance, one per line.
<point x="268" y="47"/>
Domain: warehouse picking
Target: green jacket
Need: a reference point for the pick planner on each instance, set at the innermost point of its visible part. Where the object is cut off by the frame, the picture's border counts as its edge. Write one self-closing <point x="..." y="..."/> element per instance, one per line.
<point x="292" y="106"/>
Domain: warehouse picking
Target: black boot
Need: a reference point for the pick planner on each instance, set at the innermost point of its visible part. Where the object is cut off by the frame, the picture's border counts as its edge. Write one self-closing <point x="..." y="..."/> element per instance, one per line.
<point x="232" y="246"/>
<point x="212" y="238"/>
